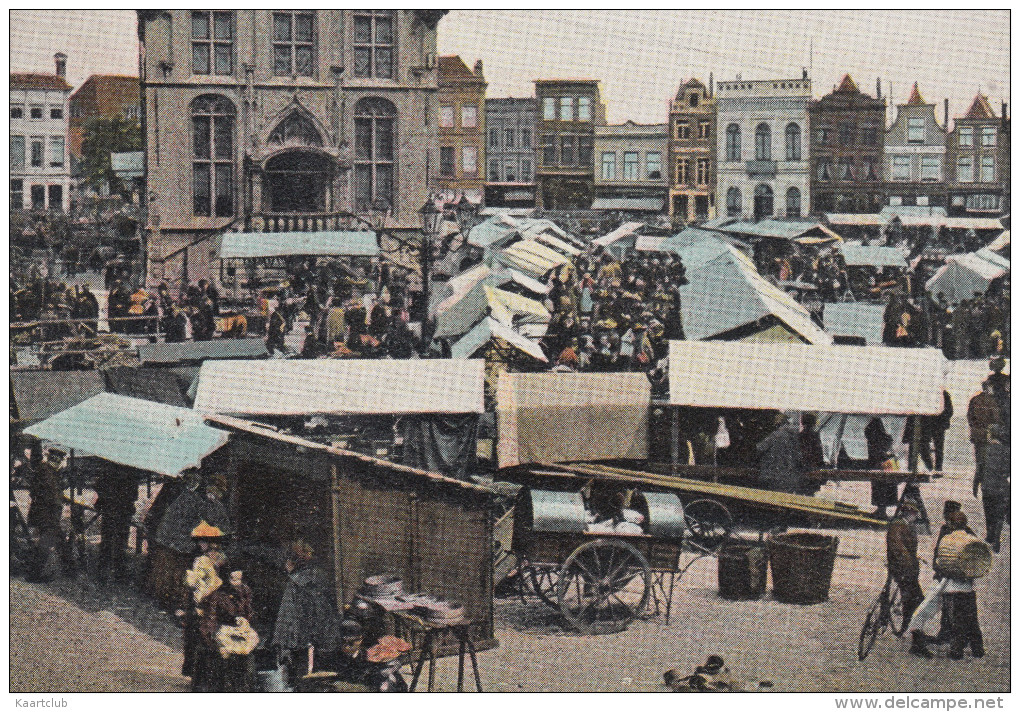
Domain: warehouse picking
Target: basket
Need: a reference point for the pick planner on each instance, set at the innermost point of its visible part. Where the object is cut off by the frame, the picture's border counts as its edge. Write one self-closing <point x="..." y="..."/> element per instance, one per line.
<point x="743" y="571"/>
<point x="802" y="566"/>
<point x="962" y="555"/>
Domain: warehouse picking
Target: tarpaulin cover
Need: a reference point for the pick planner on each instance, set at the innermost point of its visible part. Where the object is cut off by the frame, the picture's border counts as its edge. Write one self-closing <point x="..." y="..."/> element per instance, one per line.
<point x="626" y="230"/>
<point x="40" y="394"/>
<point x="855" y="319"/>
<point x="872" y="256"/>
<point x="129" y="431"/>
<point x="849" y="429"/>
<point x="962" y="275"/>
<point x="837" y="379"/>
<point x="279" y="244"/>
<point x="330" y="386"/>
<point x="859" y="219"/>
<point x="530" y="257"/>
<point x="202" y="350"/>
<point x="441" y="443"/>
<point x="563" y="417"/>
<point x="481" y="301"/>
<point x="487" y="329"/>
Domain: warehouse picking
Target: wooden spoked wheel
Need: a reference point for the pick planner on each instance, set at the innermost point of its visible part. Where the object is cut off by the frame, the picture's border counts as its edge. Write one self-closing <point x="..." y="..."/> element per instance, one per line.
<point x="603" y="585"/>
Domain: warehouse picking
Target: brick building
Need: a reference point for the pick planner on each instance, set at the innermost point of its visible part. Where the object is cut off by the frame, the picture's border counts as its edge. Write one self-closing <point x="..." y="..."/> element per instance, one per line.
<point x="103" y="96"/>
<point x="691" y="165"/>
<point x="631" y="174"/>
<point x="461" y="129"/>
<point x="283" y="120"/>
<point x="914" y="168"/>
<point x="568" y="112"/>
<point x="847" y="127"/>
<point x="978" y="161"/>
<point x="40" y="170"/>
<point x="510" y="152"/>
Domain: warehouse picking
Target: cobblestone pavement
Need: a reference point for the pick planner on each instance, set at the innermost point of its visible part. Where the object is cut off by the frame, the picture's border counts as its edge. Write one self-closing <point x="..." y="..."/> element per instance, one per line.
<point x="75" y="635"/>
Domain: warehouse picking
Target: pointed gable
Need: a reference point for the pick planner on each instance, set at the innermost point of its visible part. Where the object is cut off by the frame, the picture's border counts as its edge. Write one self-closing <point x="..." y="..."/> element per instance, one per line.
<point x="980" y="109"/>
<point x="848" y="86"/>
<point x="915" y="97"/>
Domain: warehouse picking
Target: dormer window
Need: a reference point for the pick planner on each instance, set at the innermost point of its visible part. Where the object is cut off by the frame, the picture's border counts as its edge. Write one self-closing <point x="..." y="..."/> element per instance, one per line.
<point x="693" y="99"/>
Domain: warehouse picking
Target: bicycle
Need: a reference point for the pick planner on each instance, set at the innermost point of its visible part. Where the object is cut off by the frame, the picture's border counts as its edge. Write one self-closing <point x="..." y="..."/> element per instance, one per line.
<point x="885" y="613"/>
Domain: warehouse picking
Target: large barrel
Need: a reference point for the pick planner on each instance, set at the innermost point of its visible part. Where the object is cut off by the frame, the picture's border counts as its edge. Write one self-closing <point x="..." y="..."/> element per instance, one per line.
<point x="962" y="555"/>
<point x="802" y="566"/>
<point x="743" y="571"/>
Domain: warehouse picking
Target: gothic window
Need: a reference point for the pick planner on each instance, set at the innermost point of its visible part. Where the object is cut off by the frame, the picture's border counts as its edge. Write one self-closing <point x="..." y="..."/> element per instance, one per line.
<point x="212" y="42"/>
<point x="374" y="153"/>
<point x="374" y="40"/>
<point x="212" y="123"/>
<point x="296" y="129"/>
<point x="293" y="44"/>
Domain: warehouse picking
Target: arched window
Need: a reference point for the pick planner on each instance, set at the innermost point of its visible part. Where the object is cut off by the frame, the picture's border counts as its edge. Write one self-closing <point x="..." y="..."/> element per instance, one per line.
<point x="733" y="206"/>
<point x="792" y="142"/>
<point x="763" y="206"/>
<point x="212" y="179"/>
<point x="374" y="154"/>
<point x="763" y="142"/>
<point x="733" y="142"/>
<point x="295" y="130"/>
<point x="793" y="203"/>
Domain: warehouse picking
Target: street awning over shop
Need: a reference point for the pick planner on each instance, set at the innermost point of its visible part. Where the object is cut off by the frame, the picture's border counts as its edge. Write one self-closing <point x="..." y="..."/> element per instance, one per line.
<point x="246" y="245"/>
<point x="202" y="350"/>
<point x="488" y="329"/>
<point x="328" y="386"/>
<point x="564" y="417"/>
<point x="129" y="431"/>
<point x="855" y="319"/>
<point x="642" y="205"/>
<point x="40" y="394"/>
<point x="872" y="256"/>
<point x="837" y="379"/>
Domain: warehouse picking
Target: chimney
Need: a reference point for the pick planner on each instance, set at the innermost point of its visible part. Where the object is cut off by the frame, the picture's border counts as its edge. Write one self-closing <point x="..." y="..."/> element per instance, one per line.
<point x="945" y="104"/>
<point x="60" y="59"/>
<point x="878" y="88"/>
<point x="478" y="68"/>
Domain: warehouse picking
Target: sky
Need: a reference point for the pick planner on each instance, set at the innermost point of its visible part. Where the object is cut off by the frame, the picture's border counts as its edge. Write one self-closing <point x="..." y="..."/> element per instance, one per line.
<point x="641" y="57"/>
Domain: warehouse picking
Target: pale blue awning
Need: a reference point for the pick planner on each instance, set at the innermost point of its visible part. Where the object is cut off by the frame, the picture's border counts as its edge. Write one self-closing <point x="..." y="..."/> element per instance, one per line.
<point x="202" y="350"/>
<point x="246" y="245"/>
<point x="138" y="433"/>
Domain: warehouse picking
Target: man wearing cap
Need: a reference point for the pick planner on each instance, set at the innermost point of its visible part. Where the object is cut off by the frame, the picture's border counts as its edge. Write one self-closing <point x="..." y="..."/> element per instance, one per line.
<point x="780" y="462"/>
<point x="960" y="599"/>
<point x="994" y="485"/>
<point x="904" y="567"/>
<point x="982" y="411"/>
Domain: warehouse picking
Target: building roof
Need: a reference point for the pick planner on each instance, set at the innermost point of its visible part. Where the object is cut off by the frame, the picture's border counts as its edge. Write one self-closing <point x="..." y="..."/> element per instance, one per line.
<point x="45" y="82"/>
<point x="915" y="97"/>
<point x="101" y="81"/>
<point x="451" y="66"/>
<point x="129" y="431"/>
<point x="980" y="109"/>
<point x="835" y="379"/>
<point x="331" y="386"/>
<point x="847" y="86"/>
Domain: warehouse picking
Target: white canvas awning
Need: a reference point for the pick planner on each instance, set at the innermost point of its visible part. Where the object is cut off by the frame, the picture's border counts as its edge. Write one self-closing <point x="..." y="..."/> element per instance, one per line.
<point x="530" y="257"/>
<point x="628" y="229"/>
<point x="488" y="329"/>
<point x="963" y="275"/>
<point x="999" y="243"/>
<point x="143" y="434"/>
<point x="483" y="300"/>
<point x="281" y="244"/>
<point x="872" y="256"/>
<point x="856" y="219"/>
<point x="855" y="319"/>
<point x="838" y="379"/>
<point x="328" y="386"/>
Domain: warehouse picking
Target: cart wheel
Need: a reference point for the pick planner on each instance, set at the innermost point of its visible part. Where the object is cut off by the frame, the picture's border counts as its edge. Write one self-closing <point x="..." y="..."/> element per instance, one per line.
<point x="709" y="523"/>
<point x="603" y="585"/>
<point x="543" y="583"/>
<point x="896" y="620"/>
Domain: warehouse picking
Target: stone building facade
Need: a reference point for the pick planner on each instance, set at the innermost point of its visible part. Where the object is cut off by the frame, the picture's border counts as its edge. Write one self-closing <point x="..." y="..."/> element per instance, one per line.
<point x="510" y="152"/>
<point x="761" y="153"/>
<point x="847" y="128"/>
<point x="692" y="143"/>
<point x="978" y="161"/>
<point x="461" y="129"/>
<point x="630" y="164"/>
<point x="568" y="112"/>
<point x="283" y="120"/>
<point x="914" y="167"/>
<point x="40" y="168"/>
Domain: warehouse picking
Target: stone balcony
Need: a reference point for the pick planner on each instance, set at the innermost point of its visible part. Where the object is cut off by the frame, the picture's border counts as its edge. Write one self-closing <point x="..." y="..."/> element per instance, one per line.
<point x="761" y="169"/>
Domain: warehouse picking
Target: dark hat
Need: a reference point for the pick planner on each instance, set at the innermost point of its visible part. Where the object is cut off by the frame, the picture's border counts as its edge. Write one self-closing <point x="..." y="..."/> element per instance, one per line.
<point x="957" y="520"/>
<point x="351" y="630"/>
<point x="949" y="507"/>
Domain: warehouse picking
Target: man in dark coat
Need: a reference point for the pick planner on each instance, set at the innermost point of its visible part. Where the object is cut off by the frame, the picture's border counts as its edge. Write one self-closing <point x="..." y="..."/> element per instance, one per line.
<point x="780" y="463"/>
<point x="883" y="494"/>
<point x="994" y="484"/>
<point x="982" y="411"/>
<point x="275" y="332"/>
<point x="904" y="567"/>
<point x="117" y="490"/>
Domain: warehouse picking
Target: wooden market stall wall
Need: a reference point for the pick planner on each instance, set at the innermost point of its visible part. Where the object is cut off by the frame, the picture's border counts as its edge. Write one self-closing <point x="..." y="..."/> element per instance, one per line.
<point x="363" y="516"/>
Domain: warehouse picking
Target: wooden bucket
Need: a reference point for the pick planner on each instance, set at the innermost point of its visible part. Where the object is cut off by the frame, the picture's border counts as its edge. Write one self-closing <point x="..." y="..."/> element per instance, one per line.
<point x="962" y="555"/>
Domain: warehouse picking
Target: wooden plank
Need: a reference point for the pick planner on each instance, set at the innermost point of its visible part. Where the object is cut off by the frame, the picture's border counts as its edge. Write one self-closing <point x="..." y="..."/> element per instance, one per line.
<point x="713" y="472"/>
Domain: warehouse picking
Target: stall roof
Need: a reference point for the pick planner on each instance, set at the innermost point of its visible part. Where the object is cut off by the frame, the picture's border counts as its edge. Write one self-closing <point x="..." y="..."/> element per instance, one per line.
<point x="856" y="219"/>
<point x="690" y="236"/>
<point x="279" y="244"/>
<point x="553" y="242"/>
<point x="839" y="379"/>
<point x="130" y="431"/>
<point x="646" y="205"/>
<point x="460" y="316"/>
<point x="650" y="243"/>
<point x="872" y="256"/>
<point x="492" y="230"/>
<point x="40" y="394"/>
<point x="971" y="223"/>
<point x="989" y="265"/>
<point x="489" y="328"/>
<point x="781" y="229"/>
<point x="531" y="257"/>
<point x="628" y="229"/>
<point x="508" y="275"/>
<point x="155" y="384"/>
<point x="202" y="350"/>
<point x="855" y="319"/>
<point x="999" y="243"/>
<point x="994" y="257"/>
<point x="329" y="386"/>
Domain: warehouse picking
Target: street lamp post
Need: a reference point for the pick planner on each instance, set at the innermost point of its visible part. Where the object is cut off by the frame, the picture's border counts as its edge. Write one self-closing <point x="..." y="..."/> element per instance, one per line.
<point x="430" y="216"/>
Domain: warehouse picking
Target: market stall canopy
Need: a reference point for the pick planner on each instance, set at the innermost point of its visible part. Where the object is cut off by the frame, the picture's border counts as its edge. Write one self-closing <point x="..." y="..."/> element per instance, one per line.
<point x="530" y="257"/>
<point x="725" y="297"/>
<point x="513" y="212"/>
<point x="838" y="379"/>
<point x="872" y="256"/>
<point x="962" y="275"/>
<point x="690" y="236"/>
<point x="624" y="232"/>
<point x="456" y="287"/>
<point x="496" y="228"/>
<point x="857" y="219"/>
<point x="530" y="228"/>
<point x="129" y="431"/>
<point x="40" y="394"/>
<point x="855" y="319"/>
<point x="246" y="245"/>
<point x="564" y="417"/>
<point x="155" y="384"/>
<point x="963" y="222"/>
<point x="330" y="386"/>
<point x="484" y="300"/>
<point x="781" y="229"/>
<point x="999" y="243"/>
<point x="515" y="278"/>
<point x="488" y="329"/>
<point x="649" y="243"/>
<point x="641" y="205"/>
<point x="914" y="215"/>
<point x="202" y="350"/>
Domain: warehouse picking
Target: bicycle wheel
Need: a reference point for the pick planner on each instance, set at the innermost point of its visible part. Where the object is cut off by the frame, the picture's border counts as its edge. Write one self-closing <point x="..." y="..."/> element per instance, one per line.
<point x="896" y="612"/>
<point x="869" y="631"/>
